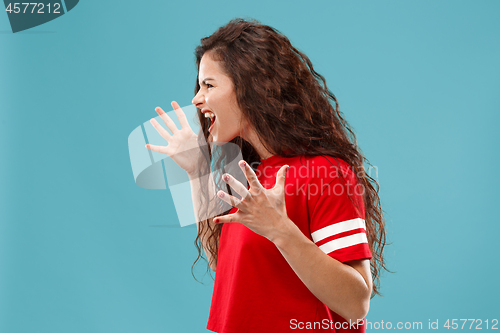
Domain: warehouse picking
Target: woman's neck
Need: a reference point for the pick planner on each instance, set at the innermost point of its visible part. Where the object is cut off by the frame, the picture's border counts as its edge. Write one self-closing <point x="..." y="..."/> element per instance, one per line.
<point x="254" y="140"/>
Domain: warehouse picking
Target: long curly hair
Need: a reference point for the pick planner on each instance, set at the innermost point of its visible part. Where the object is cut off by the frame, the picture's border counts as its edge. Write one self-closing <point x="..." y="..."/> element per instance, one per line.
<point x="293" y="113"/>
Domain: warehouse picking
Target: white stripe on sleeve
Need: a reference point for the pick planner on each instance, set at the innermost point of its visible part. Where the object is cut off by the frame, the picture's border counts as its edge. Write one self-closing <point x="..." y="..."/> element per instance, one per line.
<point x="337" y="228"/>
<point x="346" y="241"/>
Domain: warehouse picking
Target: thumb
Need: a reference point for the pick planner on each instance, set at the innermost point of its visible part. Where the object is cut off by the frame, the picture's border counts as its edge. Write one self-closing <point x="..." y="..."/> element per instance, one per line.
<point x="281" y="176"/>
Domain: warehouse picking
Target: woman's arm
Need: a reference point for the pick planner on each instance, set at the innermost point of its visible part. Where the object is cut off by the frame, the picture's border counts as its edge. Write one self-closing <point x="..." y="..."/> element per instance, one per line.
<point x="345" y="288"/>
<point x="183" y="147"/>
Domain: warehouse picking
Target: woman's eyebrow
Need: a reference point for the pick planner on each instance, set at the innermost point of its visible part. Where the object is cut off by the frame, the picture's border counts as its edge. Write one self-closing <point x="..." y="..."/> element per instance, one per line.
<point x="207" y="79"/>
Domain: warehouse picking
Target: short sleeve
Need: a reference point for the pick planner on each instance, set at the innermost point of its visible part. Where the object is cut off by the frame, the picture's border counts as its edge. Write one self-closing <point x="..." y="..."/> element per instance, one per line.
<point x="337" y="223"/>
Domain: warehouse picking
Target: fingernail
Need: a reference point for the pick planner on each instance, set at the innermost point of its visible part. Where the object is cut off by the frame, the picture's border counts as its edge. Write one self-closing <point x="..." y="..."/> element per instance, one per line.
<point x="225" y="177"/>
<point x="216" y="221"/>
<point x="221" y="194"/>
<point x="242" y="164"/>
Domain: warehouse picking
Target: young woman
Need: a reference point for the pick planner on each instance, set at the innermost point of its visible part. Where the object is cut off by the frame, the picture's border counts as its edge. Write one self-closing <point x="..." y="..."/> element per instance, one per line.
<point x="303" y="243"/>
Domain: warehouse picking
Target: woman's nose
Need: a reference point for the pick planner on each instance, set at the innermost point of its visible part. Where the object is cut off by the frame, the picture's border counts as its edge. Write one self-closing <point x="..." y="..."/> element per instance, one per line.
<point x="198" y="98"/>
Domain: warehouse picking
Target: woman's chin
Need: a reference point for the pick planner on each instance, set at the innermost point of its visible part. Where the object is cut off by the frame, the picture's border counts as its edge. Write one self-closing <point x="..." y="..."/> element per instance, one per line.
<point x="215" y="141"/>
<point x="219" y="141"/>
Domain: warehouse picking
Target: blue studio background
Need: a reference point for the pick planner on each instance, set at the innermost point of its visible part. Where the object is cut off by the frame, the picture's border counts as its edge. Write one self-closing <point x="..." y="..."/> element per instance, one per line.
<point x="83" y="249"/>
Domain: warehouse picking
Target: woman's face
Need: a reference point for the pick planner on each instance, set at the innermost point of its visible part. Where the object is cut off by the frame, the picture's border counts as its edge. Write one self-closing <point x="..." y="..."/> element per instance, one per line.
<point x="217" y="96"/>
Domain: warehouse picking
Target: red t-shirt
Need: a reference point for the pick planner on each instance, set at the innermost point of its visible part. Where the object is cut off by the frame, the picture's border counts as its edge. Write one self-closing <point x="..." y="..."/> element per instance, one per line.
<point x="255" y="288"/>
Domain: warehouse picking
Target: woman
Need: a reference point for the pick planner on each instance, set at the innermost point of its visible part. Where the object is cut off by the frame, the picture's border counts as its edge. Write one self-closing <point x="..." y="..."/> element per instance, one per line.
<point x="304" y="241"/>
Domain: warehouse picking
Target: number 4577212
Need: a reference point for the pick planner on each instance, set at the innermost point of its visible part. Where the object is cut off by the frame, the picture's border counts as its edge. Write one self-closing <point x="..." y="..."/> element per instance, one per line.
<point x="474" y="324"/>
<point x="17" y="8"/>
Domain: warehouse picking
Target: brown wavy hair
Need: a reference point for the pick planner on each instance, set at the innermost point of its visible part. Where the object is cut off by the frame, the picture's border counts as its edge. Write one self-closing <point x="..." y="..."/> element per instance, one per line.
<point x="293" y="113"/>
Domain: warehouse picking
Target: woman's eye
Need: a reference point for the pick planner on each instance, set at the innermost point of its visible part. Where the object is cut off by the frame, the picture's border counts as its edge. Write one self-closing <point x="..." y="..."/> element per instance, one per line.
<point x="209" y="85"/>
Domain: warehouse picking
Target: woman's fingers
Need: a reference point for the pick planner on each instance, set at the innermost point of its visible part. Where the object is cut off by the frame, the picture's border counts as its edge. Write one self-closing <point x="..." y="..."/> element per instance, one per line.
<point x="163" y="132"/>
<point x="251" y="176"/>
<point x="229" y="218"/>
<point x="233" y="201"/>
<point x="180" y="115"/>
<point x="236" y="185"/>
<point x="167" y="120"/>
<point x="281" y="177"/>
<point x="158" y="149"/>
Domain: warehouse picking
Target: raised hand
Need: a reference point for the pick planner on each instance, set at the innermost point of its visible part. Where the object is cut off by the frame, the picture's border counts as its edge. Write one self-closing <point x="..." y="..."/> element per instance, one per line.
<point x="183" y="145"/>
<point x="262" y="210"/>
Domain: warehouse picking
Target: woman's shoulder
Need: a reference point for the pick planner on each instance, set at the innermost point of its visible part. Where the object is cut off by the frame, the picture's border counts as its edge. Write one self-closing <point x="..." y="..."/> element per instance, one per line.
<point x="320" y="167"/>
<point x="329" y="162"/>
<point x="326" y="160"/>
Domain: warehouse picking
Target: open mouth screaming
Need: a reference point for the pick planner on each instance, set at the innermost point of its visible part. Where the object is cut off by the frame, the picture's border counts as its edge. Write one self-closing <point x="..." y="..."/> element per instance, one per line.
<point x="211" y="120"/>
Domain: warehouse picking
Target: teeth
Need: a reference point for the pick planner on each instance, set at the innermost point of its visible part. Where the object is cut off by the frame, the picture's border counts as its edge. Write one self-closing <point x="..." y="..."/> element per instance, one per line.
<point x="209" y="114"/>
